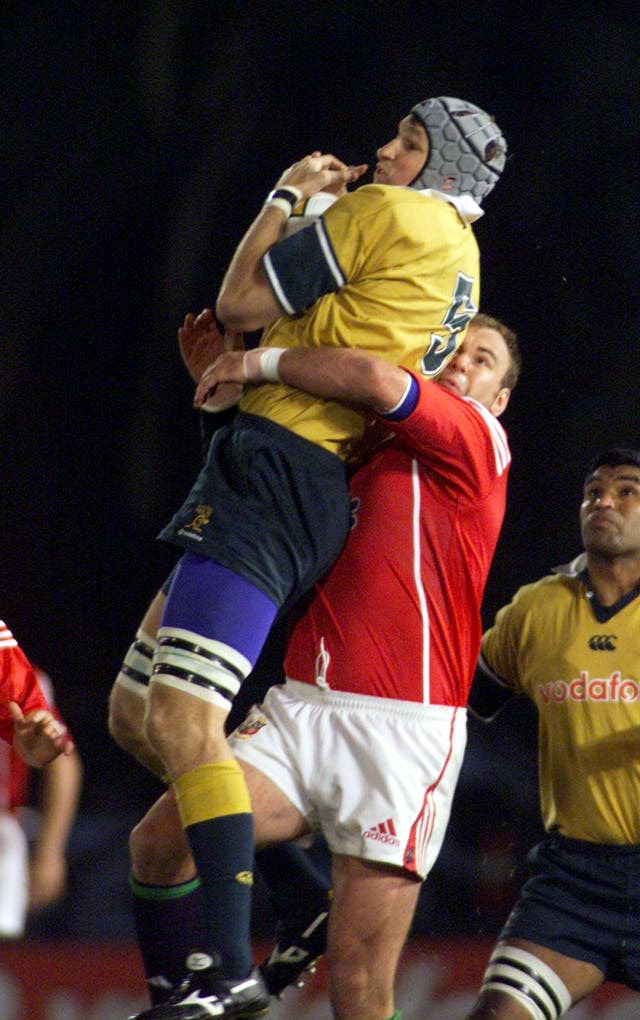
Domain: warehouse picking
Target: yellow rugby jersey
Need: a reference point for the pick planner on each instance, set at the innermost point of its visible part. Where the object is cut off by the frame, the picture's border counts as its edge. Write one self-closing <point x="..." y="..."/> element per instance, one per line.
<point x="390" y="270"/>
<point x="584" y="678"/>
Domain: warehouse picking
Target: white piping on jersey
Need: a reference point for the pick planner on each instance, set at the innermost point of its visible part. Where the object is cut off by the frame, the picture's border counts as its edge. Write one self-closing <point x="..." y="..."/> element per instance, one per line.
<point x="327" y="251"/>
<point x="499" y="440"/>
<point x="417" y="576"/>
<point x="275" y="284"/>
<point x="332" y="265"/>
<point x="7" y="639"/>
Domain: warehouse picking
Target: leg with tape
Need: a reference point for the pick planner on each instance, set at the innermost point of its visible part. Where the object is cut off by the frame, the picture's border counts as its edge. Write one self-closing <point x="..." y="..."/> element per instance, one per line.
<point x="136" y="668"/>
<point x="128" y="698"/>
<point x="520" y="975"/>
<point x="128" y="701"/>
<point x="212" y="631"/>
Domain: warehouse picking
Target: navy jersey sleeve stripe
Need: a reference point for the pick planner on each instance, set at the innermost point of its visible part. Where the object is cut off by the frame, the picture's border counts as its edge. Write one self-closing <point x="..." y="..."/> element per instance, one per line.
<point x="489" y="693"/>
<point x="312" y="249"/>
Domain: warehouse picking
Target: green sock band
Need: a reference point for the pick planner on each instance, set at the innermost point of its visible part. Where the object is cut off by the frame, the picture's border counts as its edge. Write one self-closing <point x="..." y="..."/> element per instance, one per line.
<point x="397" y="1015"/>
<point x="164" y="892"/>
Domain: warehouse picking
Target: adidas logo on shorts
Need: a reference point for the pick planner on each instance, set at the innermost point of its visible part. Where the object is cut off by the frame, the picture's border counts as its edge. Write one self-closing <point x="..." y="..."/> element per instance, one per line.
<point x="384" y="832"/>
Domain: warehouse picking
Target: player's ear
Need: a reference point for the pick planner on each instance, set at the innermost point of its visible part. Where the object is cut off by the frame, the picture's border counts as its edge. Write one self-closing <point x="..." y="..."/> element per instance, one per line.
<point x="501" y="401"/>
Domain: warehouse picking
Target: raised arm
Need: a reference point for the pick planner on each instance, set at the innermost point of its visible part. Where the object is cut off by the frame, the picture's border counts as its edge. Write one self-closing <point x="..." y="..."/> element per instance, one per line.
<point x="246" y="301"/>
<point x="333" y="373"/>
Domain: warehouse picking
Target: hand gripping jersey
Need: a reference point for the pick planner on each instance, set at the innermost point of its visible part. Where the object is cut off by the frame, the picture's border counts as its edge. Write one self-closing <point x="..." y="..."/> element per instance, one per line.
<point x="389" y="270"/>
<point x="580" y="665"/>
<point x="398" y="616"/>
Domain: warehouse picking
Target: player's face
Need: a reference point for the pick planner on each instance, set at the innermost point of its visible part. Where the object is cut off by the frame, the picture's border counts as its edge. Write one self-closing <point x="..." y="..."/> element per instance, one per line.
<point x="401" y="160"/>
<point x="610" y="511"/>
<point x="478" y="368"/>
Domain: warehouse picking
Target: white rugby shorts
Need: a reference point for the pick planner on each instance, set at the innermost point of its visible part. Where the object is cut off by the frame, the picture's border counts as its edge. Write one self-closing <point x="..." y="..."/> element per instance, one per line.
<point x="14" y="877"/>
<point x="376" y="776"/>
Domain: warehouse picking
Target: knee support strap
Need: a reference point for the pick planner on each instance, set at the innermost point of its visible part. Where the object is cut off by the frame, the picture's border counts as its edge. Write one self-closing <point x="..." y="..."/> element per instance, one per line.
<point x="200" y="666"/>
<point x="533" y="983"/>
<point x="136" y="669"/>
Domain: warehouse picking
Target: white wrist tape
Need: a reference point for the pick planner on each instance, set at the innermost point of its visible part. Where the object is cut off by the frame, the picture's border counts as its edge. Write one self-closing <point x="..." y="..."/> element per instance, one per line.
<point x="280" y="203"/>
<point x="285" y="198"/>
<point x="261" y="364"/>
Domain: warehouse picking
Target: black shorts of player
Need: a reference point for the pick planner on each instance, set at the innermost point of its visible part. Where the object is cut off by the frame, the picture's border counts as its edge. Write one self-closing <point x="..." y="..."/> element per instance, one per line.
<point x="269" y="505"/>
<point x="583" y="900"/>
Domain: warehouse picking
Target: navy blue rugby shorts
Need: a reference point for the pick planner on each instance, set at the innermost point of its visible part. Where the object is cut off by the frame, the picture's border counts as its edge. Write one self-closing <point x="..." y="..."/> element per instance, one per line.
<point x="269" y="505"/>
<point x="583" y="900"/>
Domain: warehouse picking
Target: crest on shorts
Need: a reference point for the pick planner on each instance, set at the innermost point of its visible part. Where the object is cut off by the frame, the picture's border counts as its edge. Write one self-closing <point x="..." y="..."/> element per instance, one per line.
<point x="201" y="518"/>
<point x="250" y="727"/>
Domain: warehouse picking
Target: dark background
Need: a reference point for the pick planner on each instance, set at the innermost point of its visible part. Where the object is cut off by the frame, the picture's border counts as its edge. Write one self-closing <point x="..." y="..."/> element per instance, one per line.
<point x="138" y="142"/>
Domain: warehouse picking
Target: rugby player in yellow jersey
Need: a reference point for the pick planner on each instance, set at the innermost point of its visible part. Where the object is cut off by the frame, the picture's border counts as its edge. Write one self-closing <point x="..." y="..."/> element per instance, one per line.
<point x="392" y="270"/>
<point x="571" y="643"/>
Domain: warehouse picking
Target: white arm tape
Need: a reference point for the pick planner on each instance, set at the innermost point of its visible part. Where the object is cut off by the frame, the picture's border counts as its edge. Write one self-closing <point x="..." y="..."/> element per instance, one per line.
<point x="285" y="198"/>
<point x="280" y="203"/>
<point x="261" y="364"/>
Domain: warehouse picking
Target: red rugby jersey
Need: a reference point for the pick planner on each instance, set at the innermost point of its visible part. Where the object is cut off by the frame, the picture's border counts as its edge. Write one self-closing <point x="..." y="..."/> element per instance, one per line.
<point x="19" y="683"/>
<point x="398" y="616"/>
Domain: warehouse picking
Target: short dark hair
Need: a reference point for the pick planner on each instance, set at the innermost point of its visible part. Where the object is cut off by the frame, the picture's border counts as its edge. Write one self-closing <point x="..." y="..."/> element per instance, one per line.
<point x="510" y="338"/>
<point x="614" y="457"/>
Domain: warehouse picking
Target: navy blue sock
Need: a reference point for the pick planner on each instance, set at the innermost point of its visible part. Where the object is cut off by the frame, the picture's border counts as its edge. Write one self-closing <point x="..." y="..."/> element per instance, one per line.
<point x="168" y="924"/>
<point x="227" y="882"/>
<point x="298" y="881"/>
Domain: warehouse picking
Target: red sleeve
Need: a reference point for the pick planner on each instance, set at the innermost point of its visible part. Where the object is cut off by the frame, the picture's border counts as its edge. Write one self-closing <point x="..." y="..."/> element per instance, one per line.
<point x="19" y="683"/>
<point x="455" y="437"/>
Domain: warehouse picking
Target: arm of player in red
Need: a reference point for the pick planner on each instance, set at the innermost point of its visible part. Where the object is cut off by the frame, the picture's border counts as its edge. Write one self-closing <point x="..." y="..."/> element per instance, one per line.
<point x="38" y="736"/>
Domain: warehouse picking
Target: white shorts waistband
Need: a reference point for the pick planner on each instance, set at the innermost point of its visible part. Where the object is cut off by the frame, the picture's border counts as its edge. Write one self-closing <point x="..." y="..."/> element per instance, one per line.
<point x="364" y="702"/>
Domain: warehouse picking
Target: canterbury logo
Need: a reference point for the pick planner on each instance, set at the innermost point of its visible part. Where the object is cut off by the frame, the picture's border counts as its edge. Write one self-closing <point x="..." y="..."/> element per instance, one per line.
<point x="385" y="832"/>
<point x="245" y="877"/>
<point x="603" y="642"/>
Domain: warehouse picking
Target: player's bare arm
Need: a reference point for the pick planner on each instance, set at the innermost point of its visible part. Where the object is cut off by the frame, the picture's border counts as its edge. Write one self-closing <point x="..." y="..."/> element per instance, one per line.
<point x="335" y="374"/>
<point x="246" y="301"/>
<point x="38" y="736"/>
<point x="62" y="786"/>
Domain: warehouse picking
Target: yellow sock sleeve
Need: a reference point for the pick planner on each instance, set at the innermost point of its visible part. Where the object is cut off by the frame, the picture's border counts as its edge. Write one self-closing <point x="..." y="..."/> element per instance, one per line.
<point x="211" y="791"/>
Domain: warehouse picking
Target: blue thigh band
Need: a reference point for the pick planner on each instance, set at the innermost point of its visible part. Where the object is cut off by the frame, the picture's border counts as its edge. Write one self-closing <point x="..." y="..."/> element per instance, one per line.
<point x="209" y="599"/>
